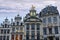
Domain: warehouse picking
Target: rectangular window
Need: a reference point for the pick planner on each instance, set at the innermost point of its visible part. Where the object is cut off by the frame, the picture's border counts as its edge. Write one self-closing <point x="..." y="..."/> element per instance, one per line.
<point x="4" y="31"/>
<point x="44" y="20"/>
<point x="1" y="31"/>
<point x="33" y="26"/>
<point x="13" y="29"/>
<point x="56" y="29"/>
<point x="8" y="31"/>
<point x="27" y="35"/>
<point x="50" y="30"/>
<point x="38" y="35"/>
<point x="38" y="26"/>
<point x="4" y="37"/>
<point x="57" y="38"/>
<point x="27" y="26"/>
<point x="7" y="37"/>
<point x="33" y="35"/>
<point x="54" y="19"/>
<point x="0" y="37"/>
<point x="49" y="20"/>
<point x="45" y="38"/>
<point x="17" y="28"/>
<point x="44" y="30"/>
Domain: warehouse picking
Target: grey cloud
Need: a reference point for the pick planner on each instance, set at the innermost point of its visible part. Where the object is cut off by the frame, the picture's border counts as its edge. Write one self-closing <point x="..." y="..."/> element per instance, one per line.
<point x="6" y="8"/>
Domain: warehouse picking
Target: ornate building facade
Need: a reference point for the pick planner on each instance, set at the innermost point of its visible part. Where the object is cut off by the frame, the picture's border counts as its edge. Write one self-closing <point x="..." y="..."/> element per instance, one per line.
<point x="35" y="26"/>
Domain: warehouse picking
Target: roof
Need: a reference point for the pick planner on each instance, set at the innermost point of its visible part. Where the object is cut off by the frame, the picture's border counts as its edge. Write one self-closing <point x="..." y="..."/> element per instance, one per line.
<point x="50" y="10"/>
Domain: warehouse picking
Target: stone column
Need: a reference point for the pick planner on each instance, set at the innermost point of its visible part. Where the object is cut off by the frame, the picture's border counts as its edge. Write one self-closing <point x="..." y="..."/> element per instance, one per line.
<point x="35" y="31"/>
<point x="18" y="37"/>
<point x="6" y="37"/>
<point x="54" y="38"/>
<point x="14" y="36"/>
<point x="25" y="32"/>
<point x="47" y="31"/>
<point x="53" y="30"/>
<point x="47" y="38"/>
<point x="30" y="32"/>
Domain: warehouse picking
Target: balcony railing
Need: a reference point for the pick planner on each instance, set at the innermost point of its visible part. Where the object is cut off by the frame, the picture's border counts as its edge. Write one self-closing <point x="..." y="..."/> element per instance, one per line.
<point x="51" y="35"/>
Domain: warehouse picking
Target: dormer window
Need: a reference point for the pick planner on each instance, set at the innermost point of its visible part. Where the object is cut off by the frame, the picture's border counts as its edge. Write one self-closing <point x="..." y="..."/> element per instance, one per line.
<point x="5" y="25"/>
<point x="17" y="23"/>
<point x="13" y="24"/>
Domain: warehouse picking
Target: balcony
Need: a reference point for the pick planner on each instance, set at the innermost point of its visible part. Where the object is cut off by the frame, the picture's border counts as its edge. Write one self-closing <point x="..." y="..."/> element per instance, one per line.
<point x="51" y="35"/>
<point x="18" y="32"/>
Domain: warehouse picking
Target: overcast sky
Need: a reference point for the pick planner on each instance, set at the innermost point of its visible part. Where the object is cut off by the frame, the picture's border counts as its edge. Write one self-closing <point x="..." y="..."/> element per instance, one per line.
<point x="10" y="8"/>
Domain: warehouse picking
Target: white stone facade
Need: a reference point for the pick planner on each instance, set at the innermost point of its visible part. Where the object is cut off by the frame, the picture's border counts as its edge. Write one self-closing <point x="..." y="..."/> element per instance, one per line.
<point x="33" y="27"/>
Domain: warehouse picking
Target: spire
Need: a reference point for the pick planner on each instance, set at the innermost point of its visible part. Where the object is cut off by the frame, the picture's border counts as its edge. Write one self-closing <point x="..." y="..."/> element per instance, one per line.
<point x="6" y="19"/>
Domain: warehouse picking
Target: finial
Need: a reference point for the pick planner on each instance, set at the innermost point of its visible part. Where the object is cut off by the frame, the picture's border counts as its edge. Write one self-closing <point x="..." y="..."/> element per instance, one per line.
<point x="6" y="18"/>
<point x="33" y="7"/>
<point x="18" y="15"/>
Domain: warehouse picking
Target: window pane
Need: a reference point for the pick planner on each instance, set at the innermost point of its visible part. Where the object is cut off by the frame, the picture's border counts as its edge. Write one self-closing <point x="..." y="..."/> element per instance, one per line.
<point x="38" y="26"/>
<point x="49" y="20"/>
<point x="4" y="31"/>
<point x="45" y="38"/>
<point x="27" y="26"/>
<point x="17" y="28"/>
<point x="38" y="35"/>
<point x="7" y="37"/>
<point x="44" y="30"/>
<point x="57" y="38"/>
<point x="8" y="31"/>
<point x="50" y="30"/>
<point x="33" y="35"/>
<point x="56" y="30"/>
<point x="1" y="31"/>
<point x="33" y="26"/>
<point x="54" y="19"/>
<point x="17" y="23"/>
<point x="13" y="29"/>
<point x="44" y="20"/>
<point x="0" y="37"/>
<point x="5" y="25"/>
<point x="27" y="35"/>
<point x="4" y="37"/>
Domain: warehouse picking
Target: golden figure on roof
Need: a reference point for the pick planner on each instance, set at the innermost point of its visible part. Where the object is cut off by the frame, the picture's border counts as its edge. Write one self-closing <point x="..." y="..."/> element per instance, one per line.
<point x="33" y="7"/>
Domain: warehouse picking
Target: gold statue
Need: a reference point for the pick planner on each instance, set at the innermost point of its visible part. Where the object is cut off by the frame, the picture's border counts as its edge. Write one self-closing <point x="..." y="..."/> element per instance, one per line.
<point x="33" y="7"/>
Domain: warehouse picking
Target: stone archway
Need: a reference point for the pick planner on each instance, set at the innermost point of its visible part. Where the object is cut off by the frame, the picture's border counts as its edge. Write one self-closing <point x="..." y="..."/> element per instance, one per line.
<point x="20" y="38"/>
<point x="17" y="37"/>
